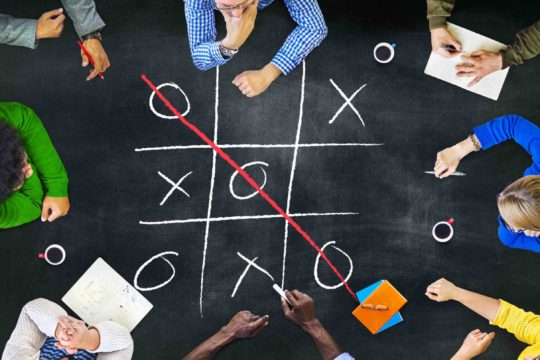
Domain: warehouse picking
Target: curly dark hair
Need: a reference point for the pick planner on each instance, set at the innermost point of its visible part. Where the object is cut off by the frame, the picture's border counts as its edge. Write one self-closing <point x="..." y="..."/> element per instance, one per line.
<point x="12" y="162"/>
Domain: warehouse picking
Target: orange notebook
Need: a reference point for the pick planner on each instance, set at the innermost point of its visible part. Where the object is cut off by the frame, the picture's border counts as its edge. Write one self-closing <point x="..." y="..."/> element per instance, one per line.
<point x="386" y="295"/>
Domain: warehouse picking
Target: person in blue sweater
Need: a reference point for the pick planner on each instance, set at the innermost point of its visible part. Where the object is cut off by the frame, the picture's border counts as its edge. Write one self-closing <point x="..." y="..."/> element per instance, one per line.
<point x="519" y="203"/>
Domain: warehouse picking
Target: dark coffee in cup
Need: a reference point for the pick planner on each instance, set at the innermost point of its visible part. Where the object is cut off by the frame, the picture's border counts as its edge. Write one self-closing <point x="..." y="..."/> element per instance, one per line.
<point x="383" y="53"/>
<point x="54" y="254"/>
<point x="443" y="230"/>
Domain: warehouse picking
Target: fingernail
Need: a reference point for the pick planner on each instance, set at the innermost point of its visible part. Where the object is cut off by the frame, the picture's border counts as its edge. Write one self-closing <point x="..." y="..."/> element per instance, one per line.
<point x="42" y="220"/>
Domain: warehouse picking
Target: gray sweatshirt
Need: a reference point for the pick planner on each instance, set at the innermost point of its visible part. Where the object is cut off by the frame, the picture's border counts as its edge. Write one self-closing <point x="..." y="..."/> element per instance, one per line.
<point x="22" y="32"/>
<point x="38" y="320"/>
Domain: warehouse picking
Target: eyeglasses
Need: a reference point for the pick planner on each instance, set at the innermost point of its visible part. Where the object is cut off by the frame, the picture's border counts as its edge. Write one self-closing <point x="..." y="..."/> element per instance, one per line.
<point x="234" y="7"/>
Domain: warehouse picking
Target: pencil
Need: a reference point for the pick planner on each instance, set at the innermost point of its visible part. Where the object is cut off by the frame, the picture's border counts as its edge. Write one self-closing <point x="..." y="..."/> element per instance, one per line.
<point x="374" y="307"/>
<point x="89" y="57"/>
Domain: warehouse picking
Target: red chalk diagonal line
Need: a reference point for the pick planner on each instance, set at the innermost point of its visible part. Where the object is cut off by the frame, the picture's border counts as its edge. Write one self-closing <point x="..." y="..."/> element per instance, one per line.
<point x="250" y="180"/>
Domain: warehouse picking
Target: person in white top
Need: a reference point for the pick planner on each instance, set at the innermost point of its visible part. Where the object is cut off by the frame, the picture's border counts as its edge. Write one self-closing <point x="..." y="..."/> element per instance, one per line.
<point x="300" y="310"/>
<point x="41" y="319"/>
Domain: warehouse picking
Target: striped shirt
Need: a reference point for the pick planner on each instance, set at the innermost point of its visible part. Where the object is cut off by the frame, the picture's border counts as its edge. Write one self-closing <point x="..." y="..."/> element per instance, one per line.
<point x="308" y="34"/>
<point x="49" y="351"/>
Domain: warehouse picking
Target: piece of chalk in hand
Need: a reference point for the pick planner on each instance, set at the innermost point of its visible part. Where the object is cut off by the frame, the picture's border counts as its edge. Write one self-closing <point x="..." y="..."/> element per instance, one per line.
<point x="281" y="292"/>
<point x="456" y="173"/>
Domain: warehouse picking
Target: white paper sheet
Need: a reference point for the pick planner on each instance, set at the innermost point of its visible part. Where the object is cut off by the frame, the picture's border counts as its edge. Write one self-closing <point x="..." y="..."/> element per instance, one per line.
<point x="102" y="294"/>
<point x="444" y="68"/>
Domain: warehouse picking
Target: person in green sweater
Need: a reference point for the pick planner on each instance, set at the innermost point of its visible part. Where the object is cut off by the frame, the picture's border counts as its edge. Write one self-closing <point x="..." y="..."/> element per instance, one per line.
<point x="479" y="63"/>
<point x="33" y="180"/>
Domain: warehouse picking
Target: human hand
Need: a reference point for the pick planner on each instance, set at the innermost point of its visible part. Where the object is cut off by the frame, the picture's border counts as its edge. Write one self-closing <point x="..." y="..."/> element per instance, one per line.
<point x="101" y="61"/>
<point x="442" y="290"/>
<point x="50" y="24"/>
<point x="447" y="162"/>
<point x="532" y="233"/>
<point x="73" y="334"/>
<point x="300" y="309"/>
<point x="442" y="37"/>
<point x="254" y="82"/>
<point x="532" y="357"/>
<point x="479" y="64"/>
<point x="245" y="325"/>
<point x="54" y="207"/>
<point x="474" y="344"/>
<point x="239" y="27"/>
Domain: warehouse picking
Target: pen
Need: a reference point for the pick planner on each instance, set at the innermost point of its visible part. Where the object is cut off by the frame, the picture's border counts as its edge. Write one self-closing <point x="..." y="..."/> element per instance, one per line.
<point x="450" y="48"/>
<point x="456" y="173"/>
<point x="89" y="57"/>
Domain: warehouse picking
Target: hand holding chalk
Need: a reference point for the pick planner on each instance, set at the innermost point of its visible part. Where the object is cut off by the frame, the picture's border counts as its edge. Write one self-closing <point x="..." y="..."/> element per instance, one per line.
<point x="301" y="310"/>
<point x="281" y="293"/>
<point x="245" y="325"/>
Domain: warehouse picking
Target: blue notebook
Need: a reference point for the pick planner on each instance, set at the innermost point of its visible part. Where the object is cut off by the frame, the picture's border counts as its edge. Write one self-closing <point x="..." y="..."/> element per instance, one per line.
<point x="365" y="292"/>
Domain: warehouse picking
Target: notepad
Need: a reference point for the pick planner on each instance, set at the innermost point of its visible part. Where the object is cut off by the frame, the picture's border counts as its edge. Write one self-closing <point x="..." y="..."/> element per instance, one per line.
<point x="444" y="68"/>
<point x="383" y="293"/>
<point x="101" y="294"/>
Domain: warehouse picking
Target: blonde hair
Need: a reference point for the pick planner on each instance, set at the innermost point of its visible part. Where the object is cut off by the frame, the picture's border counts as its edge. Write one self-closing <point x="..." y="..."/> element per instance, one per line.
<point x="519" y="203"/>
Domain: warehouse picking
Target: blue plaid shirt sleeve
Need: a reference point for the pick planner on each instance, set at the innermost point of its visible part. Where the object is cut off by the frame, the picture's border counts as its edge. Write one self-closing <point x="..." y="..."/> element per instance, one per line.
<point x="202" y="34"/>
<point x="309" y="33"/>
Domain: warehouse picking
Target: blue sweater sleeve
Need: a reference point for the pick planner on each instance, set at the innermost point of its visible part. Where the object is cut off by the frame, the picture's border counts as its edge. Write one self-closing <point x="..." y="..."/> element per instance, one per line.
<point x="513" y="127"/>
<point x="517" y="240"/>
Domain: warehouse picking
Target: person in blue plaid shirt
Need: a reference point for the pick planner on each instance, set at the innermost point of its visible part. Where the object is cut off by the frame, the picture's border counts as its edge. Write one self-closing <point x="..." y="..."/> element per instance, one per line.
<point x="239" y="15"/>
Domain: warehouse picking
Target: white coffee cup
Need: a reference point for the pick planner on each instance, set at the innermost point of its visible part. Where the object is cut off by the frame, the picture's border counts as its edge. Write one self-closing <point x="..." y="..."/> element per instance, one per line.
<point x="448" y="223"/>
<point x="390" y="48"/>
<point x="47" y="254"/>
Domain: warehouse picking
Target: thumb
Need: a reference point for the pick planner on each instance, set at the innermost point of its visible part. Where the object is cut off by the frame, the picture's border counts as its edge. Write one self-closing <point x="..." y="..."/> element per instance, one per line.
<point x="52" y="14"/>
<point x="84" y="59"/>
<point x="45" y="212"/>
<point x="477" y="53"/>
<point x="55" y="214"/>
<point x="456" y="44"/>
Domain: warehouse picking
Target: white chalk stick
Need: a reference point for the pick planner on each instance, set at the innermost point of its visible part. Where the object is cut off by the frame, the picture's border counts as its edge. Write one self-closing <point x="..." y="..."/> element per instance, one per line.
<point x="281" y="292"/>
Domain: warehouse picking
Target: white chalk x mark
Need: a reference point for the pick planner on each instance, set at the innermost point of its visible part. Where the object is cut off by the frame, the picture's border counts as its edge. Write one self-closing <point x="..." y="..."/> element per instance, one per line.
<point x="175" y="186"/>
<point x="347" y="103"/>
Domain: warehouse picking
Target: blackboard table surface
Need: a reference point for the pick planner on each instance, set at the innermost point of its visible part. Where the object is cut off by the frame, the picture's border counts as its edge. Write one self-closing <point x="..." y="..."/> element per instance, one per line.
<point x="96" y="127"/>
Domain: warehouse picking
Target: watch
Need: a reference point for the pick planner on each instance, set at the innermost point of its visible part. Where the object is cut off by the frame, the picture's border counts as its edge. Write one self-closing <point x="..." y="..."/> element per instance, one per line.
<point x="226" y="52"/>
<point x="93" y="35"/>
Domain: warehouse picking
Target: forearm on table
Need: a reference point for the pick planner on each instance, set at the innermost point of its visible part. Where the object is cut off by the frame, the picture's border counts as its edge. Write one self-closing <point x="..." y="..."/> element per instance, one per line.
<point x="438" y="11"/>
<point x="210" y="347"/>
<point x="484" y="306"/>
<point x="327" y="346"/>
<point x="526" y="46"/>
<point x="84" y="15"/>
<point x="18" y="32"/>
<point x="466" y="146"/>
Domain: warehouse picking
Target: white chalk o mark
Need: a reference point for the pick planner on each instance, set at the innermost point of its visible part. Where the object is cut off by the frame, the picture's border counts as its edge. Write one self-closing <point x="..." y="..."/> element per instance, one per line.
<point x="231" y="188"/>
<point x="161" y="255"/>
<point x="173" y="85"/>
<point x="316" y="268"/>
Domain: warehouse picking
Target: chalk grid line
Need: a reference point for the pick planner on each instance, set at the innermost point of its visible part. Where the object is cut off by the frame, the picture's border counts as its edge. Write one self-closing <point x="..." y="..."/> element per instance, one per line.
<point x="210" y="194"/>
<point x="295" y="148"/>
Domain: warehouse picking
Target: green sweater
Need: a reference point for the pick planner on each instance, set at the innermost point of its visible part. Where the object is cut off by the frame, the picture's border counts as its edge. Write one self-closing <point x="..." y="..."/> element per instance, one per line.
<point x="49" y="177"/>
<point x="526" y="46"/>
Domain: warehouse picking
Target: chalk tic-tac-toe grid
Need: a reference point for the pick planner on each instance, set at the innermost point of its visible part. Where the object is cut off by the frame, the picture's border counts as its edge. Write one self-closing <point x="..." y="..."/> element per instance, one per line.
<point x="176" y="184"/>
